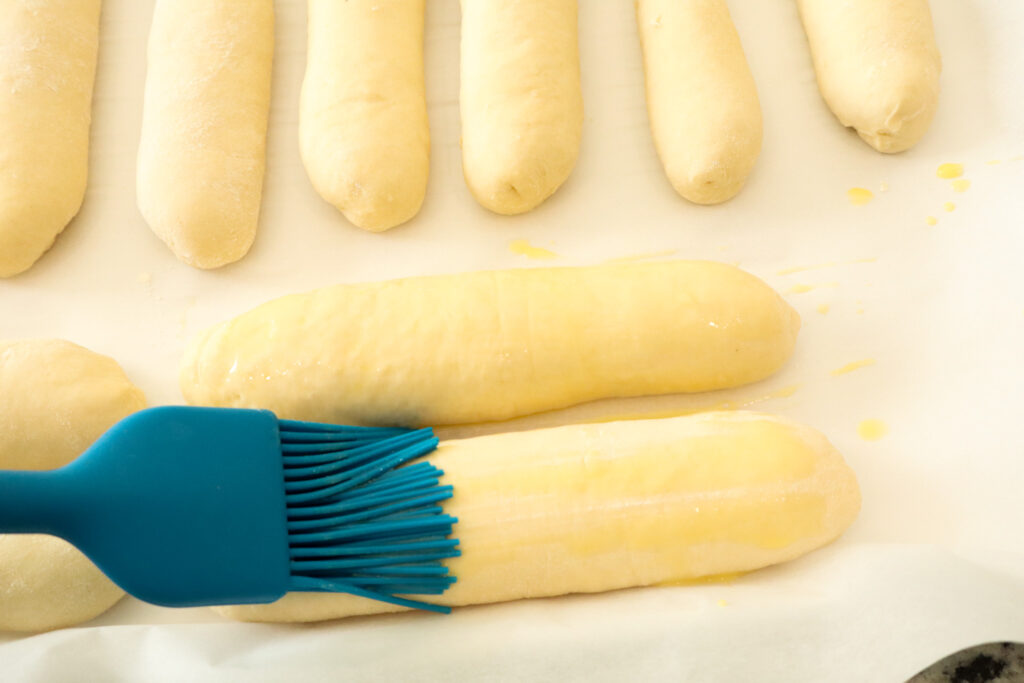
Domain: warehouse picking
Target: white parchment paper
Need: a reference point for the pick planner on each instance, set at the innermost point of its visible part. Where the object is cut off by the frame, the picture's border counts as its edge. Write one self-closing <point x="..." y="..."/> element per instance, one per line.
<point x="936" y="560"/>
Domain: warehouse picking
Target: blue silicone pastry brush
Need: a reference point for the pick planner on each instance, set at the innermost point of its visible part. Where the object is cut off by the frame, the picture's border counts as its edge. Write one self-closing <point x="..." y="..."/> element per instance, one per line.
<point x="185" y="506"/>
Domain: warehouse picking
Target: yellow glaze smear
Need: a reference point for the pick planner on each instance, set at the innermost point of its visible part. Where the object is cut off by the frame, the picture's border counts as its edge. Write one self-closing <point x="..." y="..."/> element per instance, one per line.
<point x="855" y="365"/>
<point x="931" y="220"/>
<point x="961" y="184"/>
<point x="524" y="248"/>
<point x="723" y="603"/>
<point x="823" y="309"/>
<point x="949" y="207"/>
<point x="883" y="187"/>
<point x="804" y="288"/>
<point x="729" y="521"/>
<point x="642" y="257"/>
<point x="726" y="578"/>
<point x="950" y="171"/>
<point x="738" y="404"/>
<point x="872" y="430"/>
<point x="859" y="196"/>
<point x="828" y="264"/>
<point x="759" y="453"/>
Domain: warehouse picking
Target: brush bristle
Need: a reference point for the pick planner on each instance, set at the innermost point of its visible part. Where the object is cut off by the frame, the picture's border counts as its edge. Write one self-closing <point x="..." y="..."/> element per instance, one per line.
<point x="359" y="522"/>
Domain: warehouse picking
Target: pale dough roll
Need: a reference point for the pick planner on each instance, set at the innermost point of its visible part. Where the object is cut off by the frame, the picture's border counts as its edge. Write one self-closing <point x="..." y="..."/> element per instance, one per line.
<point x="701" y="97"/>
<point x="56" y="398"/>
<point x="878" y="66"/>
<point x="363" y="125"/>
<point x="47" y="69"/>
<point x="521" y="103"/>
<point x="202" y="153"/>
<point x="47" y="583"/>
<point x="483" y="346"/>
<point x="589" y="508"/>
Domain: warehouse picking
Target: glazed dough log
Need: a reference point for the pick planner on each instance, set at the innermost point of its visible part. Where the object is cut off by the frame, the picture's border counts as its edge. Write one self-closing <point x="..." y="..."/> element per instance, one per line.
<point x="522" y="109"/>
<point x="204" y="126"/>
<point x="878" y="66"/>
<point x="56" y="398"/>
<point x="47" y="68"/>
<point x="493" y="345"/>
<point x="701" y="97"/>
<point x="588" y="508"/>
<point x="363" y="117"/>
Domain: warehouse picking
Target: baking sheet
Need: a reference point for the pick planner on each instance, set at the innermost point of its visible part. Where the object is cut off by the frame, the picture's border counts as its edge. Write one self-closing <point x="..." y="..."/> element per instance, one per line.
<point x="935" y="561"/>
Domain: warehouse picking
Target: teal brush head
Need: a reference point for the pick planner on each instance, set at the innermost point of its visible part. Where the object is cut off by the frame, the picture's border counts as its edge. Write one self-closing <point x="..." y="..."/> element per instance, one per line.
<point x="186" y="506"/>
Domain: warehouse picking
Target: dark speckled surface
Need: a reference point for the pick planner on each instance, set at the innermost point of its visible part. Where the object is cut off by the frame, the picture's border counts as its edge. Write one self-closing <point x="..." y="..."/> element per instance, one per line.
<point x="988" y="663"/>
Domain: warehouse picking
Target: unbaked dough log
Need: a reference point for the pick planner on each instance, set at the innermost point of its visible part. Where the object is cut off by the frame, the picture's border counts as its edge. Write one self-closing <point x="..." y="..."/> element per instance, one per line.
<point x="482" y="346"/>
<point x="202" y="152"/>
<point x="363" y="117"/>
<point x="47" y="69"/>
<point x="878" y="66"/>
<point x="56" y="398"/>
<point x="582" y="509"/>
<point x="701" y="97"/>
<point x="522" y="108"/>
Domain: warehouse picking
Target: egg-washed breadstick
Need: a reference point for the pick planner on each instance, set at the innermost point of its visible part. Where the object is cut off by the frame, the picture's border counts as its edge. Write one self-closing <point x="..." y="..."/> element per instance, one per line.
<point x="202" y="152"/>
<point x="363" y="117"/>
<point x="475" y="347"/>
<point x="701" y="97"/>
<point x="522" y="108"/>
<point x="589" y="508"/>
<point x="878" y="66"/>
<point x="47" y="69"/>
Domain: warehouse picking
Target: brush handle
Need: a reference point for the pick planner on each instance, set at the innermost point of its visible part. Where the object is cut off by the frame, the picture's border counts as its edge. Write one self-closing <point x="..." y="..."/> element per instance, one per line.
<point x="33" y="502"/>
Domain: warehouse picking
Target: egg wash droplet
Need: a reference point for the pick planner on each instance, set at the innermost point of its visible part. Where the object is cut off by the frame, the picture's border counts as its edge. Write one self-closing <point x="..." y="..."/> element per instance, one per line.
<point x="950" y="171"/>
<point x="524" y="248"/>
<point x="872" y="430"/>
<point x="859" y="196"/>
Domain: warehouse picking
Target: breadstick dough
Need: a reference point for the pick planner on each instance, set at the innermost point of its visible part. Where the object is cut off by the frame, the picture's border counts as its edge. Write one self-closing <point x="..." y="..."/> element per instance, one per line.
<point x="521" y="103"/>
<point x="589" y="508"/>
<point x="878" y="66"/>
<point x="493" y="345"/>
<point x="56" y="398"/>
<point x="47" y="69"/>
<point x="202" y="152"/>
<point x="363" y="116"/>
<point x="701" y="97"/>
